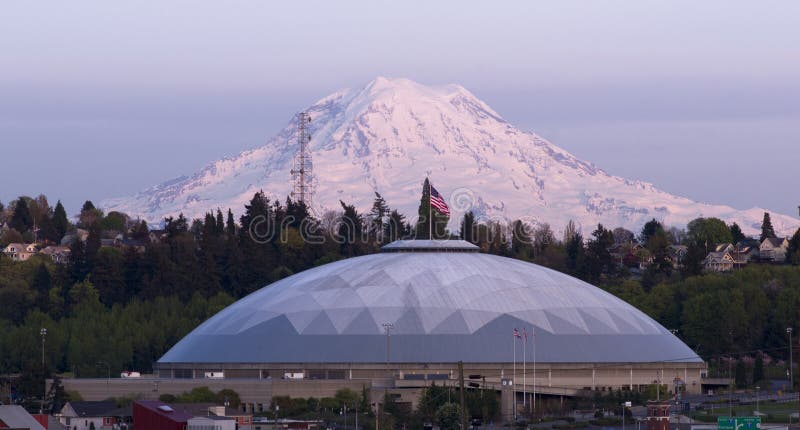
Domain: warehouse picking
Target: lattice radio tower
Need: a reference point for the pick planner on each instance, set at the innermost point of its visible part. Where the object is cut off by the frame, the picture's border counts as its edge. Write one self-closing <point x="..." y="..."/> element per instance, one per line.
<point x="302" y="167"/>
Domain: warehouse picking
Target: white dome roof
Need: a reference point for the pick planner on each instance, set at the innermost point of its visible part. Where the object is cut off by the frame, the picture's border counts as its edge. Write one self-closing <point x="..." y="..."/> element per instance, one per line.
<point x="444" y="307"/>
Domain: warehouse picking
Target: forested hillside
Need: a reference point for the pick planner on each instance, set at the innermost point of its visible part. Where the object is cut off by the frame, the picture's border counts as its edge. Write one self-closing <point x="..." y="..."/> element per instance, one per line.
<point x="129" y="292"/>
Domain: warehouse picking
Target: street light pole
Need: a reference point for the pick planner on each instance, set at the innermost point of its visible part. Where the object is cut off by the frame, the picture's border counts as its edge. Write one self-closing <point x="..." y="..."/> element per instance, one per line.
<point x="758" y="410"/>
<point x="108" y="375"/>
<point x="43" y="333"/>
<point x="387" y="326"/>
<point x="625" y="405"/>
<point x="791" y="362"/>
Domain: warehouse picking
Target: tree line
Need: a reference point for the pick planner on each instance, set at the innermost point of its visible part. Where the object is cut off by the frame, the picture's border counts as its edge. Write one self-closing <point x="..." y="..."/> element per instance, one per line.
<point x="125" y="305"/>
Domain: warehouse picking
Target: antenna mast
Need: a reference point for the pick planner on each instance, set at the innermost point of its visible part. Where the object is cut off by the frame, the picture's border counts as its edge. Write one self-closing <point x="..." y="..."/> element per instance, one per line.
<point x="302" y="167"/>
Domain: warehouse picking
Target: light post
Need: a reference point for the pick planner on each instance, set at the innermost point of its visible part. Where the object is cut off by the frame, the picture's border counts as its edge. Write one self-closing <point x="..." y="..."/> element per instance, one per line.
<point x="758" y="410"/>
<point x="791" y="371"/>
<point x="275" y="424"/>
<point x="108" y="374"/>
<point x="624" y="405"/>
<point x="43" y="333"/>
<point x="387" y="326"/>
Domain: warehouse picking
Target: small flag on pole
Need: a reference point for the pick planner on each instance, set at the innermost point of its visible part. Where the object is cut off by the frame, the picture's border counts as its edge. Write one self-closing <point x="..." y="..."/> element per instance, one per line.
<point x="516" y="333"/>
<point x="525" y="333"/>
<point x="438" y="202"/>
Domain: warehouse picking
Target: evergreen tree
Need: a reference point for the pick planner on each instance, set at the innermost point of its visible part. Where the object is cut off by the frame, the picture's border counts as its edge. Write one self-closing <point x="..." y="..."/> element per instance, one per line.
<point x="396" y="226"/>
<point x="175" y="227"/>
<point x="140" y="231"/>
<point x="230" y="224"/>
<point x="21" y="219"/>
<point x="793" y="253"/>
<point x="736" y="233"/>
<point x="378" y="214"/>
<point x="766" y="228"/>
<point x="575" y="253"/>
<point x="468" y="227"/>
<point x="220" y="223"/>
<point x="351" y="231"/>
<point x="649" y="229"/>
<point x="598" y="259"/>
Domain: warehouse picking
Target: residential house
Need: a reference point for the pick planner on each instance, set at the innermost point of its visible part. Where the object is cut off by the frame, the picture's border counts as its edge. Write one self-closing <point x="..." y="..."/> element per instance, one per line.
<point x="82" y="415"/>
<point x="16" y="417"/>
<point x="20" y="251"/>
<point x="59" y="254"/>
<point x="718" y="262"/>
<point x="211" y="422"/>
<point x="774" y="249"/>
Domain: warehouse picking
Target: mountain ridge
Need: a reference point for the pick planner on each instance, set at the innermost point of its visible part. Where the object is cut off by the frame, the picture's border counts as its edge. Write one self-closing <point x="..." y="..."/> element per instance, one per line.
<point x="388" y="135"/>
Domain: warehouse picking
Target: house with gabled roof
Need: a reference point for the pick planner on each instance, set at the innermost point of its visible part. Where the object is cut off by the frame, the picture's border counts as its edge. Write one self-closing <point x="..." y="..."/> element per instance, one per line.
<point x="718" y="262"/>
<point x="20" y="251"/>
<point x="774" y="249"/>
<point x="16" y="417"/>
<point x="82" y="415"/>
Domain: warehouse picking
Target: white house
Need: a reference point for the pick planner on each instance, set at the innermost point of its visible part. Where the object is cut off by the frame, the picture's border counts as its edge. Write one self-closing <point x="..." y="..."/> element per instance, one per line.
<point x="19" y="251"/>
<point x="718" y="262"/>
<point x="774" y="249"/>
<point x="86" y="415"/>
<point x="211" y="422"/>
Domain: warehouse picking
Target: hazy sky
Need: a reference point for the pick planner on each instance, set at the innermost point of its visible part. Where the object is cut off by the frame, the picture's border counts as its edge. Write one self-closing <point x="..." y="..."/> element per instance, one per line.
<point x="101" y="99"/>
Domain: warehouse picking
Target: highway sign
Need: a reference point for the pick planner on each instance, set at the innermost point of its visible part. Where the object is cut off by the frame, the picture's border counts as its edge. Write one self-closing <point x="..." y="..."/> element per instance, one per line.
<point x="738" y="423"/>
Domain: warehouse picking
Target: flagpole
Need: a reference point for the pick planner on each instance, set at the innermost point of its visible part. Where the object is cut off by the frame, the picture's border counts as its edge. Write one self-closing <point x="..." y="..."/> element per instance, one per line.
<point x="430" y="213"/>
<point x="524" y="391"/>
<point x="533" y="330"/>
<point x="514" y="379"/>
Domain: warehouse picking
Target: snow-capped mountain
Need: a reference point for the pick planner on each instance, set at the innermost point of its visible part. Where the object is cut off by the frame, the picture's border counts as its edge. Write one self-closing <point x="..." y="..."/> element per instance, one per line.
<point x="392" y="133"/>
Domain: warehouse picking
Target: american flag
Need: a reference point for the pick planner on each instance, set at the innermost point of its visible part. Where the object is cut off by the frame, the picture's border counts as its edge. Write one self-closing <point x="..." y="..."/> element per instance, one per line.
<point x="438" y="202"/>
<point x="516" y="333"/>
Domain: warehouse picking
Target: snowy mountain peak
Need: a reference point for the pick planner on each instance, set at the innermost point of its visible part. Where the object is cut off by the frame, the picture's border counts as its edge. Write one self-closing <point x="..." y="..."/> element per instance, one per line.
<point x="388" y="135"/>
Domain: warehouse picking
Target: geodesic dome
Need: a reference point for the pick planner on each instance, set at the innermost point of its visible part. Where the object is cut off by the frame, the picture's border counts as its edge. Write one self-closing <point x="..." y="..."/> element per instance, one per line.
<point x="445" y="301"/>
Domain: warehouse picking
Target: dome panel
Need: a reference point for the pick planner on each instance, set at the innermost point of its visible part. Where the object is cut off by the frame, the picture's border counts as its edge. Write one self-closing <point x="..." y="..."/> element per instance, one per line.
<point x="446" y="306"/>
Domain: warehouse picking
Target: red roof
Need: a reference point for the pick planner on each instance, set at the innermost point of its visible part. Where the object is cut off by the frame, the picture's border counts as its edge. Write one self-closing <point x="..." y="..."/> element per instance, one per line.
<point x="163" y="410"/>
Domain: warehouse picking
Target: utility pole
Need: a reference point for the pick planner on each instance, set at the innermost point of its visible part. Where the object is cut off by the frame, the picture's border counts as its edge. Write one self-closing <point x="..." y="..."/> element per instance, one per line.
<point x="791" y="363"/>
<point x="463" y="403"/>
<point x="43" y="333"/>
